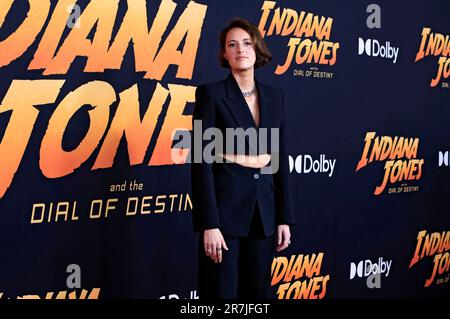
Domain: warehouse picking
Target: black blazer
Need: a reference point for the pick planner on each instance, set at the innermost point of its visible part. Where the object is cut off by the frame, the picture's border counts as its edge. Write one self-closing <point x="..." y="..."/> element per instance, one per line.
<point x="224" y="194"/>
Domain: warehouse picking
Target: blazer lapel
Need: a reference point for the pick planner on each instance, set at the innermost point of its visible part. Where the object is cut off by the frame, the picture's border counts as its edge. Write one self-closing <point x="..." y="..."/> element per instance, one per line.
<point x="236" y="103"/>
<point x="267" y="109"/>
<point x="239" y="109"/>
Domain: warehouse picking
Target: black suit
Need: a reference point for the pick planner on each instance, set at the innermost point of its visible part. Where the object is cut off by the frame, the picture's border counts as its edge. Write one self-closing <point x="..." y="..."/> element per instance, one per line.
<point x="230" y="196"/>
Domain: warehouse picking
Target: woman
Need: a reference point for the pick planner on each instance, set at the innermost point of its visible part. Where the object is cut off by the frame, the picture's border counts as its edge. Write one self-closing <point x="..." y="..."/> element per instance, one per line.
<point x="240" y="212"/>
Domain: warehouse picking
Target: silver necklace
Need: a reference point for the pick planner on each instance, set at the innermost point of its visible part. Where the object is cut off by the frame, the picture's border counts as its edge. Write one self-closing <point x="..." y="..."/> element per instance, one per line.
<point x="249" y="93"/>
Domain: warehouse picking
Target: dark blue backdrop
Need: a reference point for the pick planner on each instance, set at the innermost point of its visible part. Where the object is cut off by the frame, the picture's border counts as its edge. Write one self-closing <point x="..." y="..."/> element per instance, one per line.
<point x="154" y="255"/>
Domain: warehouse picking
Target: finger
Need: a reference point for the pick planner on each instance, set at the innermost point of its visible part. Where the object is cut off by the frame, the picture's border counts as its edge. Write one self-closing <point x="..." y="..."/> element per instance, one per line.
<point x="207" y="245"/>
<point x="284" y="244"/>
<point x="211" y="250"/>
<point x="279" y="237"/>
<point x="214" y="255"/>
<point x="288" y="240"/>
<point x="281" y="247"/>
<point x="216" y="252"/>
<point x="285" y="240"/>
<point x="219" y="253"/>
<point x="224" y="244"/>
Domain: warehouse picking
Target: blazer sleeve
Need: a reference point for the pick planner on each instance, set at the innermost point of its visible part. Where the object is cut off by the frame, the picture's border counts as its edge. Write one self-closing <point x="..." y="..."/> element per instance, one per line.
<point x="205" y="213"/>
<point x="283" y="190"/>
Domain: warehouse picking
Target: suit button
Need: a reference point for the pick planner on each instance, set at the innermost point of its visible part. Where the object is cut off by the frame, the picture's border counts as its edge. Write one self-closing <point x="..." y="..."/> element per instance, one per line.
<point x="256" y="176"/>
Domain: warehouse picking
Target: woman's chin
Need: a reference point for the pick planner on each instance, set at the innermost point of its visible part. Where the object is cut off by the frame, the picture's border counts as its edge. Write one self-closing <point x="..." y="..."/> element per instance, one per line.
<point x="242" y="67"/>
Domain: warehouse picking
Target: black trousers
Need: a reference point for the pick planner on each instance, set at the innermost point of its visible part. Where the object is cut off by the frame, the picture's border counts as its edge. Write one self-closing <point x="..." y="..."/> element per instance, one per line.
<point x="244" y="272"/>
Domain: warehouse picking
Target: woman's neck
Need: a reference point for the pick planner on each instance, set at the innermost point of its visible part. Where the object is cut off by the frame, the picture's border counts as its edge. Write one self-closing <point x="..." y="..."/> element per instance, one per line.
<point x="245" y="79"/>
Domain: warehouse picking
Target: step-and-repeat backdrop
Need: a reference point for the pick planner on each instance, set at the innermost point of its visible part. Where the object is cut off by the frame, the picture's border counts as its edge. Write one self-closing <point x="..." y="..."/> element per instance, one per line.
<point x="95" y="199"/>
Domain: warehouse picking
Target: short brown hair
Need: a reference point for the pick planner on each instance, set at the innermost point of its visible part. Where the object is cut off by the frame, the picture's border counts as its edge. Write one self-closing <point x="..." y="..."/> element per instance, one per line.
<point x="263" y="55"/>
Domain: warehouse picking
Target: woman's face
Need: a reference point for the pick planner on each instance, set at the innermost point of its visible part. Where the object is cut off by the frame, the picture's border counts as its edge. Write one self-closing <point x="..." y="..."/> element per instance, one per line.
<point x="239" y="50"/>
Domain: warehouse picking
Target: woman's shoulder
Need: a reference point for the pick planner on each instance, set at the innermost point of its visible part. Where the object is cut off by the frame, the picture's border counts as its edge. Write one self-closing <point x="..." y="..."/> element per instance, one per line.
<point x="211" y="88"/>
<point x="271" y="89"/>
<point x="212" y="85"/>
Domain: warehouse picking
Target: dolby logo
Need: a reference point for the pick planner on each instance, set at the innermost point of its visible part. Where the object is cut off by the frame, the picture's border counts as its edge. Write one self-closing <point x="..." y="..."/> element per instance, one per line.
<point x="367" y="267"/>
<point x="305" y="164"/>
<point x="374" y="48"/>
<point x="443" y="159"/>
